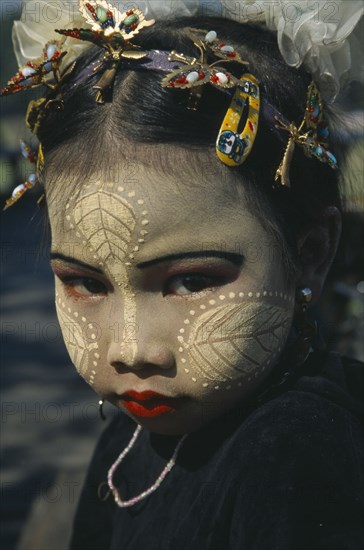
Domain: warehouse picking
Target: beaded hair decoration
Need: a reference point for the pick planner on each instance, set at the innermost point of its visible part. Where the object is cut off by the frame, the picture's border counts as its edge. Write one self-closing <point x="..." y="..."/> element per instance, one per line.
<point x="113" y="31"/>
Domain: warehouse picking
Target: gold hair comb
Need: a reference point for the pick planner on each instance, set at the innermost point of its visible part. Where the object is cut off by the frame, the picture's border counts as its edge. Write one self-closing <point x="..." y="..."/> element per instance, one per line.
<point x="112" y="31"/>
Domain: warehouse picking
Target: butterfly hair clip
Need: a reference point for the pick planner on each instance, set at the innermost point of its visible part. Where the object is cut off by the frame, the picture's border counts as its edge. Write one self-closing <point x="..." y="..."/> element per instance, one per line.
<point x="312" y="135"/>
<point x="195" y="72"/>
<point x="37" y="177"/>
<point x="111" y="30"/>
<point x="45" y="71"/>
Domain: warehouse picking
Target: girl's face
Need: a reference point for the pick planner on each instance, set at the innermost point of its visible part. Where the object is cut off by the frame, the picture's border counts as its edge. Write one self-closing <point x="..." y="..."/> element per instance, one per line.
<point x="168" y="288"/>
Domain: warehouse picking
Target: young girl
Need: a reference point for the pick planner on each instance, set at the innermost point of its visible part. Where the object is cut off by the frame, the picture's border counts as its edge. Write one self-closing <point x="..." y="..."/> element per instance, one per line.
<point x="185" y="253"/>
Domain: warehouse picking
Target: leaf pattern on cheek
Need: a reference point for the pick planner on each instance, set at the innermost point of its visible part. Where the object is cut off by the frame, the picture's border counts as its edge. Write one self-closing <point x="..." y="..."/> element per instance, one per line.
<point x="75" y="341"/>
<point x="106" y="221"/>
<point x="233" y="340"/>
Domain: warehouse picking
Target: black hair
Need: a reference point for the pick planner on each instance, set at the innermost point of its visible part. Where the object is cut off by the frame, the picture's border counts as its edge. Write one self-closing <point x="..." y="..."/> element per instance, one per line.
<point x="142" y="112"/>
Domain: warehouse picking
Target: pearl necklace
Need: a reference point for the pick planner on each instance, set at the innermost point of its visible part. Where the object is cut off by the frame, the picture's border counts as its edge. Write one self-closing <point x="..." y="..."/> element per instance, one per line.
<point x="125" y="503"/>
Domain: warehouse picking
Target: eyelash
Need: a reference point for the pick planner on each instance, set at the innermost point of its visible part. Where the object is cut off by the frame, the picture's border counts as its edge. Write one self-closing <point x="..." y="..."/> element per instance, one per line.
<point x="71" y="282"/>
<point x="209" y="283"/>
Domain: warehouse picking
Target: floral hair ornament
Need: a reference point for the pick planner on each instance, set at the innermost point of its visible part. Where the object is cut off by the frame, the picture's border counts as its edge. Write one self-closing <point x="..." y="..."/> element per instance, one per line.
<point x="112" y="31"/>
<point x="312" y="135"/>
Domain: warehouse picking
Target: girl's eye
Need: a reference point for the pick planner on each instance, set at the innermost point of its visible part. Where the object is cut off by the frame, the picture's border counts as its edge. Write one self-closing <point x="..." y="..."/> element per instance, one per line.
<point x="84" y="286"/>
<point x="182" y="285"/>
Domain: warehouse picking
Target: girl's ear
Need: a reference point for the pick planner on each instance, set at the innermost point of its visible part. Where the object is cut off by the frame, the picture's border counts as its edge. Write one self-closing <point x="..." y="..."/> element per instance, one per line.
<point x="317" y="248"/>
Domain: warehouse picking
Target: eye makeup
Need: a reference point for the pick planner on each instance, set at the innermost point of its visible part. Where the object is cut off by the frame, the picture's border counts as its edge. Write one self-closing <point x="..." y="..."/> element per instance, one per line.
<point x="70" y="260"/>
<point x="203" y="255"/>
<point x="79" y="281"/>
<point x="84" y="287"/>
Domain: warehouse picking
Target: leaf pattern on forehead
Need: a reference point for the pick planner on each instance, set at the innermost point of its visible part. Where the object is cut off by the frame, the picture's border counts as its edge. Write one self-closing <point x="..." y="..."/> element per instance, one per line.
<point x="235" y="339"/>
<point x="106" y="221"/>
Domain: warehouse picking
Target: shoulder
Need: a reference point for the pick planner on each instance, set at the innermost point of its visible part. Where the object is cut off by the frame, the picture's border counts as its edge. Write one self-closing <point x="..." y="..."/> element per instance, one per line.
<point x="319" y="413"/>
<point x="298" y="462"/>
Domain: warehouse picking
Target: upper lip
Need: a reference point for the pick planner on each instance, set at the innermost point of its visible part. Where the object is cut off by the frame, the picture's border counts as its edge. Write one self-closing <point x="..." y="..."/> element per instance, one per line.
<point x="143" y="396"/>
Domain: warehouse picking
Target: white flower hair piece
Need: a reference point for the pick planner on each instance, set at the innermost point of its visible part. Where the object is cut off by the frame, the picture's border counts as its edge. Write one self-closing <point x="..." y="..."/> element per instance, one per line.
<point x="36" y="27"/>
<point x="321" y="35"/>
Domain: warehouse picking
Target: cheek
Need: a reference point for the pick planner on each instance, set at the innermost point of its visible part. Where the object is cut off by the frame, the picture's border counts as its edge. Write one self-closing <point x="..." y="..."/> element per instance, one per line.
<point x="231" y="345"/>
<point x="81" y="337"/>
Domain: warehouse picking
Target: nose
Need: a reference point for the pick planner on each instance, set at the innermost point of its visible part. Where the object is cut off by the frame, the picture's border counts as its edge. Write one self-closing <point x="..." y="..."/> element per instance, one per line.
<point x="140" y="353"/>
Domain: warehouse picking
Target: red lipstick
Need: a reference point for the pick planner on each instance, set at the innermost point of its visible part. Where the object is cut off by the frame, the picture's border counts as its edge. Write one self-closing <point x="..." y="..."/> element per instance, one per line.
<point x="153" y="404"/>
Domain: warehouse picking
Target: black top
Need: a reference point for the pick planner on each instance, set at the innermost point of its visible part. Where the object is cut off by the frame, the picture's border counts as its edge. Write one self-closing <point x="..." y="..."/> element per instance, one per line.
<point x="282" y="474"/>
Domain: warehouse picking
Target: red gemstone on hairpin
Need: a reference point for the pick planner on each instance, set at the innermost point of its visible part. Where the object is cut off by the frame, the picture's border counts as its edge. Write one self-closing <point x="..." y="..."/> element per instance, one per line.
<point x="130" y="12"/>
<point x="201" y="75"/>
<point x="171" y="84"/>
<point x="251" y="126"/>
<point x="91" y="9"/>
<point x="214" y="78"/>
<point x="232" y="54"/>
<point x="133" y="26"/>
<point x="222" y="45"/>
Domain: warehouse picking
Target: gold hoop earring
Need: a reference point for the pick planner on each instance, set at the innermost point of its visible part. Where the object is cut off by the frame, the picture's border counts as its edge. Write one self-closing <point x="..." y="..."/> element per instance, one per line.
<point x="306" y="330"/>
<point x="101" y="412"/>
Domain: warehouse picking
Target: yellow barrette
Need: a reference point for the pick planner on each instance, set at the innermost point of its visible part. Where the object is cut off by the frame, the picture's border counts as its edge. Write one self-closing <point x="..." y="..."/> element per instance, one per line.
<point x="233" y="147"/>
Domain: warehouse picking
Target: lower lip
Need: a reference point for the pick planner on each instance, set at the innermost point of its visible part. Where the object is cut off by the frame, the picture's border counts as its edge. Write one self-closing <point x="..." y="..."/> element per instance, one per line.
<point x="139" y="410"/>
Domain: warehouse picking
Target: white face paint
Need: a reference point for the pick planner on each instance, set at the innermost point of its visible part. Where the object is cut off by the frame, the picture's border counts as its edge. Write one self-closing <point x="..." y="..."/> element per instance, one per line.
<point x="235" y="341"/>
<point x="107" y="225"/>
<point x="170" y="292"/>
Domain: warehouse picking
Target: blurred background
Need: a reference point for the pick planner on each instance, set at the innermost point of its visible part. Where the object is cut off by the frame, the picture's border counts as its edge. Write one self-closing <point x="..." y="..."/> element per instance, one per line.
<point x="49" y="416"/>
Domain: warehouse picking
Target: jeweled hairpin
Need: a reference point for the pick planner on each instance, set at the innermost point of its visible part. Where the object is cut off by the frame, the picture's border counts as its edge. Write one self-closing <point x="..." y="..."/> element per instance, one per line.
<point x="37" y="177"/>
<point x="42" y="71"/>
<point x="37" y="72"/>
<point x="312" y="135"/>
<point x="232" y="147"/>
<point x="194" y="73"/>
<point x="112" y="31"/>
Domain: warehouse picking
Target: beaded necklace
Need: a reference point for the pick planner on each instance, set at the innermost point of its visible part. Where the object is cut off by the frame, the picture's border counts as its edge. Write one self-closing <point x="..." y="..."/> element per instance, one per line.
<point x="125" y="503"/>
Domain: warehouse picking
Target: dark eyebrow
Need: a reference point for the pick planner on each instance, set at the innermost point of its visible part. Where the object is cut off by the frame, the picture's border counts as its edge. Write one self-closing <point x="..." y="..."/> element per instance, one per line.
<point x="236" y="259"/>
<point x="70" y="260"/>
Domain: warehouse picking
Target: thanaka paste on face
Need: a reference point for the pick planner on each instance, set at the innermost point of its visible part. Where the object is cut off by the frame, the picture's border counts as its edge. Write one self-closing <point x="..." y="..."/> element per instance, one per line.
<point x="115" y="243"/>
<point x="223" y="344"/>
<point x="80" y="339"/>
<point x="108" y="225"/>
